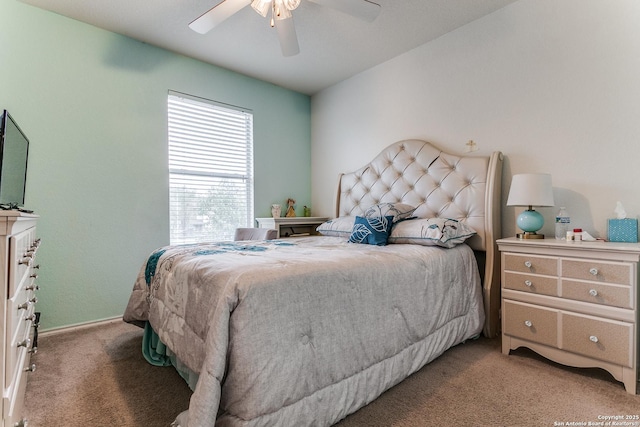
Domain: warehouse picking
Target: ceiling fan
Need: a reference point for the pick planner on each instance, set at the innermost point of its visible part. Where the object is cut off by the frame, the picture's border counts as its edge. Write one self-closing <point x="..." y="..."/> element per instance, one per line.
<point x="281" y="17"/>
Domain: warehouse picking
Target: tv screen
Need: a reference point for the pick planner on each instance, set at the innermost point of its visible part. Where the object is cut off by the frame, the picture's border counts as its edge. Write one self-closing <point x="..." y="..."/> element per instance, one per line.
<point x="14" y="149"/>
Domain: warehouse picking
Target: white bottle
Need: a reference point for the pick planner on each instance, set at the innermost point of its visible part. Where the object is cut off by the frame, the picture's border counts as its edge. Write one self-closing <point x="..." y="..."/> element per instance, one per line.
<point x="562" y="223"/>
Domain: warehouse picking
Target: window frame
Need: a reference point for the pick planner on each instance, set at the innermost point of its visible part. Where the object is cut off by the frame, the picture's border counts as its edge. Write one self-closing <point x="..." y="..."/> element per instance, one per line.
<point x="210" y="153"/>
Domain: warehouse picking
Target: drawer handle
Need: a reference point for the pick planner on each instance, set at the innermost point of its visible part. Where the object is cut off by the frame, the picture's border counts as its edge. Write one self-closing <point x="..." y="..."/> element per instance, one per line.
<point x="528" y="323"/>
<point x="22" y="423"/>
<point x="31" y="368"/>
<point x="24" y="343"/>
<point x="593" y="271"/>
<point x="593" y="293"/>
<point x="33" y="288"/>
<point x="528" y="283"/>
<point x="25" y="261"/>
<point x="527" y="264"/>
<point x="24" y="305"/>
<point x="33" y="350"/>
<point x="593" y="338"/>
<point x="34" y="276"/>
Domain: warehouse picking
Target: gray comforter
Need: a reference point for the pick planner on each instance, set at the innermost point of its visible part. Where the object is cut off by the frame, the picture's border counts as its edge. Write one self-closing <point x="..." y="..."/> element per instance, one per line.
<point x="303" y="331"/>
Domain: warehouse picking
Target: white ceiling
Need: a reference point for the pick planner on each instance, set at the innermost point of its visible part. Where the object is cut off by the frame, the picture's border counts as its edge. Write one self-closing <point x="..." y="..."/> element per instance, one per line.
<point x="333" y="46"/>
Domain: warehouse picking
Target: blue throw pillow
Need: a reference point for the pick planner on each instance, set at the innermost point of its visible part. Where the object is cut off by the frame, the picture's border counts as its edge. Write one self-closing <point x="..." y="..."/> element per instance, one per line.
<point x="372" y="231"/>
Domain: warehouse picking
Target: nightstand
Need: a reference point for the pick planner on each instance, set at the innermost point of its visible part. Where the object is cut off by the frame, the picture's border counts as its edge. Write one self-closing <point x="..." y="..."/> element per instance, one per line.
<point x="573" y="303"/>
<point x="292" y="226"/>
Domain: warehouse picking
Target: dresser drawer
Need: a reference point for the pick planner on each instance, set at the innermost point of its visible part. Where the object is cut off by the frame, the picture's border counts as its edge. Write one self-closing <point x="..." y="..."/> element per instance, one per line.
<point x="531" y="264"/>
<point x="601" y="339"/>
<point x="598" y="293"/>
<point x="530" y="322"/>
<point x="19" y="308"/>
<point x="16" y="390"/>
<point x="609" y="272"/>
<point x="22" y="252"/>
<point x="20" y="344"/>
<point x="543" y="285"/>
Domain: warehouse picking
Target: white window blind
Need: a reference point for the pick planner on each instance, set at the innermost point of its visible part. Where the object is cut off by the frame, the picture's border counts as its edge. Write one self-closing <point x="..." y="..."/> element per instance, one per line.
<point x="210" y="169"/>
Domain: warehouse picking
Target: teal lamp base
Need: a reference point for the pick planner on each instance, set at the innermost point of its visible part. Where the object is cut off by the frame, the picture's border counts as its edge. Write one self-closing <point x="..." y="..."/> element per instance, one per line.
<point x="529" y="222"/>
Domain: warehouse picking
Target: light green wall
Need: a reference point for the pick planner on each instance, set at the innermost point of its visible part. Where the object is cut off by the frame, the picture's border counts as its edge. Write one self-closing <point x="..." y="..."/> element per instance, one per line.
<point x="93" y="104"/>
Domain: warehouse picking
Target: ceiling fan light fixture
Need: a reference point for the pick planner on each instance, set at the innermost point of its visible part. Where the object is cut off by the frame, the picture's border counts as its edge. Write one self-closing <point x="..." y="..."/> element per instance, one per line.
<point x="263" y="7"/>
<point x="281" y="16"/>
<point x="281" y="8"/>
<point x="280" y="11"/>
<point x="291" y="4"/>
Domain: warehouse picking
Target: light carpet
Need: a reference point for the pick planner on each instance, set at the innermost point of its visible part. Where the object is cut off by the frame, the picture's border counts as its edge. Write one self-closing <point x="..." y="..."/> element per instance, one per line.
<point x="97" y="377"/>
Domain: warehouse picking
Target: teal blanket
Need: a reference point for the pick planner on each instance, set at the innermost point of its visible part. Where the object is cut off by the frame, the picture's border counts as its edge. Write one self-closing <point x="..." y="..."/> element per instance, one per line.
<point x="158" y="354"/>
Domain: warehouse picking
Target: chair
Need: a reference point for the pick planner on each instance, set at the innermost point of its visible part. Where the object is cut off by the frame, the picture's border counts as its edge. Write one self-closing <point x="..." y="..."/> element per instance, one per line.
<point x="255" y="234"/>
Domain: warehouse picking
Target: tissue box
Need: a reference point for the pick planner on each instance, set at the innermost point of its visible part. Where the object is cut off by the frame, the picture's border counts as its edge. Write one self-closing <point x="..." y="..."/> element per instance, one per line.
<point x="623" y="230"/>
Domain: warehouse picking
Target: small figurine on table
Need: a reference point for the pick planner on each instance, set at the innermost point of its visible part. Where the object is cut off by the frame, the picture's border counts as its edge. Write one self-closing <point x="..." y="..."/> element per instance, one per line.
<point x="291" y="212"/>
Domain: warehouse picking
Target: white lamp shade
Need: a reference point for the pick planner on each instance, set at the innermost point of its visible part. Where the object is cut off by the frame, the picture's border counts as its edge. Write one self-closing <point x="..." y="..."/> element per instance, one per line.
<point x="531" y="189"/>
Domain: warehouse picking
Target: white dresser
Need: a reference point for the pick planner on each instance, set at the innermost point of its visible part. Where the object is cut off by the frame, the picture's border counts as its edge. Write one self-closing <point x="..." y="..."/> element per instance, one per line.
<point x="292" y="226"/>
<point x="574" y="303"/>
<point x="18" y="267"/>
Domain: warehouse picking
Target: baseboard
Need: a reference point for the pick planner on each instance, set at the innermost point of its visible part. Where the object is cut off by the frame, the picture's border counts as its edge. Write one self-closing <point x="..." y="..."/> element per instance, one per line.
<point x="78" y="326"/>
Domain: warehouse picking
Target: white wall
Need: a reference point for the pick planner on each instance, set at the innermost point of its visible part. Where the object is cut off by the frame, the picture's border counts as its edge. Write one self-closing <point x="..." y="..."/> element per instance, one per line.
<point x="553" y="84"/>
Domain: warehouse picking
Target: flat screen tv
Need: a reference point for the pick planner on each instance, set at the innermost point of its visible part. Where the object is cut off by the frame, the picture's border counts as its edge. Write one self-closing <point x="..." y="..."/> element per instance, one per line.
<point x="14" y="150"/>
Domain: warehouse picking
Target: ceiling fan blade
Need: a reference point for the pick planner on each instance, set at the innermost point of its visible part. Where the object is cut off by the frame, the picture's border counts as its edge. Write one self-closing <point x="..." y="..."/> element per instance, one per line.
<point x="363" y="9"/>
<point x="208" y="20"/>
<point x="287" y="36"/>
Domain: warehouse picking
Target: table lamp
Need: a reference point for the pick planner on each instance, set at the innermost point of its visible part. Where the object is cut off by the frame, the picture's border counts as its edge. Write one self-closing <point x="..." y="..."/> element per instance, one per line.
<point x="530" y="189"/>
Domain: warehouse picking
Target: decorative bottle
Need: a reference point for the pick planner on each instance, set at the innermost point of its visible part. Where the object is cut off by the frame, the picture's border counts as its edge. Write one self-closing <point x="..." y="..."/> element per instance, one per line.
<point x="562" y="223"/>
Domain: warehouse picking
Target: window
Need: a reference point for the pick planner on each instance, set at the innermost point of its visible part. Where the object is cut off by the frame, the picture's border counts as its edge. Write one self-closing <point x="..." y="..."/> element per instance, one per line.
<point x="210" y="169"/>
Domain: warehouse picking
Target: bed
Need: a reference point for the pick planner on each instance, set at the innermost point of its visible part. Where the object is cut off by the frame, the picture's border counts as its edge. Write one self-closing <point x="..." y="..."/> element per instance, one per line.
<point x="306" y="331"/>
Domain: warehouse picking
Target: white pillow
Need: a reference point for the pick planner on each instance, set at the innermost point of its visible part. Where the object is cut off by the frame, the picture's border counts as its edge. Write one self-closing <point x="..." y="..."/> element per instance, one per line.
<point x="340" y="227"/>
<point x="398" y="211"/>
<point x="431" y="232"/>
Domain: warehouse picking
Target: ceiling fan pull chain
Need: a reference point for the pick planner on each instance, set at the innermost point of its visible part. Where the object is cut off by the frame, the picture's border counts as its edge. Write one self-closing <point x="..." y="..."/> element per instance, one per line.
<point x="273" y="14"/>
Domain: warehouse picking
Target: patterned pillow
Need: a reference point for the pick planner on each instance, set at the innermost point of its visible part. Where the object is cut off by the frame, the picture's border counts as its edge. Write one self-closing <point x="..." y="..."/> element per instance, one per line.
<point x="372" y="231"/>
<point x="340" y="227"/>
<point x="398" y="211"/>
<point x="431" y="232"/>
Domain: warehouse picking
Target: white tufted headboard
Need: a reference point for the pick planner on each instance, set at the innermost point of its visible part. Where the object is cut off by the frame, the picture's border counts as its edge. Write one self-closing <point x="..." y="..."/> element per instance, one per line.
<point x="440" y="185"/>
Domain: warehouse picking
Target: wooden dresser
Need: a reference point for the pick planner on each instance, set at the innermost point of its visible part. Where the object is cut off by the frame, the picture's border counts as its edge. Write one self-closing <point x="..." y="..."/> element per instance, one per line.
<point x="574" y="303"/>
<point x="18" y="248"/>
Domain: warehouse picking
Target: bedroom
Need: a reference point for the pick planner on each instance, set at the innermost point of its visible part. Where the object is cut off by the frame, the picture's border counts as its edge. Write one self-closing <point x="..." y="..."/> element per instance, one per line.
<point x="551" y="84"/>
